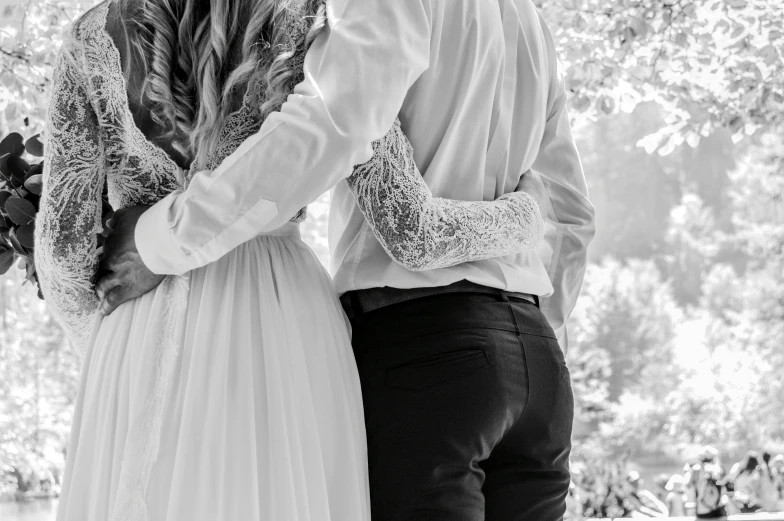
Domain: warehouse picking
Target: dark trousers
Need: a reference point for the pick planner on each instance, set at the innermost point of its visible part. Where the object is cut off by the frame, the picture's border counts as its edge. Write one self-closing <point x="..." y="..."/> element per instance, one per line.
<point x="468" y="407"/>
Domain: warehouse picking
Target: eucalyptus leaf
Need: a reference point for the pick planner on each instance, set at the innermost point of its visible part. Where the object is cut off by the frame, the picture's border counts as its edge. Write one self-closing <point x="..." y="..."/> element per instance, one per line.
<point x="34" y="146"/>
<point x="6" y="261"/>
<point x="18" y="167"/>
<point x="26" y="236"/>
<point x="20" y="211"/>
<point x="4" y="196"/>
<point x="17" y="246"/>
<point x="5" y="171"/>
<point x="36" y="169"/>
<point x="35" y="184"/>
<point x="12" y="144"/>
<point x="31" y="276"/>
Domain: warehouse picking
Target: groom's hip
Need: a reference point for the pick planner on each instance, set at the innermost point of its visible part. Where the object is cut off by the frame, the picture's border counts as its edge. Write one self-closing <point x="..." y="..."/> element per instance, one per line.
<point x="362" y="301"/>
<point x="468" y="407"/>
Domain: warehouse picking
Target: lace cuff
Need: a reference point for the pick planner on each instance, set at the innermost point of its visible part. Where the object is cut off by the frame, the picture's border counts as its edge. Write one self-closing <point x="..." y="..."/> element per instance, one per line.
<point x="422" y="232"/>
<point x="69" y="218"/>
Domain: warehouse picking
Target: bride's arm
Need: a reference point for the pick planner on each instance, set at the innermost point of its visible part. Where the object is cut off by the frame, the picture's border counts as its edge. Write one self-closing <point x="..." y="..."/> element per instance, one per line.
<point x="69" y="217"/>
<point x="423" y="232"/>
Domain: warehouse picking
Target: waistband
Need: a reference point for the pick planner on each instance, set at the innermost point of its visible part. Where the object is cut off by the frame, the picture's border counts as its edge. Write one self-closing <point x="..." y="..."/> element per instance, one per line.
<point x="290" y="229"/>
<point x="365" y="300"/>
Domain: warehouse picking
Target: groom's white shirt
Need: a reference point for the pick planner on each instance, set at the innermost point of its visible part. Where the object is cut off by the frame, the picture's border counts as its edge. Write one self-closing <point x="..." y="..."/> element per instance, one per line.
<point x="476" y="86"/>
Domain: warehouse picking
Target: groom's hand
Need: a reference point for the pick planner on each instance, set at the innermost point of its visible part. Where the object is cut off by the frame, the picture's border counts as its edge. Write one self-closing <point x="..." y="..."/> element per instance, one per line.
<point x="122" y="276"/>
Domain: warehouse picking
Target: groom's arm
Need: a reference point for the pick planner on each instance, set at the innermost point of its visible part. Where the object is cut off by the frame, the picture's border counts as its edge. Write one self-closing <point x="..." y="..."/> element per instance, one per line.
<point x="558" y="183"/>
<point x="357" y="74"/>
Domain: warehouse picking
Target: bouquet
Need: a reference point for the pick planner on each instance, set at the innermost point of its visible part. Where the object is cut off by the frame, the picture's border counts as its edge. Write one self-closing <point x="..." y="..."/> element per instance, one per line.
<point x="21" y="184"/>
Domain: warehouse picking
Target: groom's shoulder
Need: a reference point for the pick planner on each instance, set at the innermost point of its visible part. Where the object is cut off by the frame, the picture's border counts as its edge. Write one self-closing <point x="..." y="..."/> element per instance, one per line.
<point x="481" y="14"/>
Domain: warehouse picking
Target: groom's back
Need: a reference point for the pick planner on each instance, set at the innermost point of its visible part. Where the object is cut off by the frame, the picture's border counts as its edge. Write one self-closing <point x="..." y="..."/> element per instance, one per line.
<point x="482" y="104"/>
<point x="467" y="398"/>
<point x="476" y="119"/>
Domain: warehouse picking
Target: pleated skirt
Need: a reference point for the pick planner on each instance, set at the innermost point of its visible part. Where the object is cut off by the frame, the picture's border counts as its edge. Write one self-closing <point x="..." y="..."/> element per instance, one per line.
<point x="228" y="394"/>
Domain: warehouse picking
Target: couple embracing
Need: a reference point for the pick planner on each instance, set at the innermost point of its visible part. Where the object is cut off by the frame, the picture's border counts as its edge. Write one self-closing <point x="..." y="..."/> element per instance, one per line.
<point x="226" y="376"/>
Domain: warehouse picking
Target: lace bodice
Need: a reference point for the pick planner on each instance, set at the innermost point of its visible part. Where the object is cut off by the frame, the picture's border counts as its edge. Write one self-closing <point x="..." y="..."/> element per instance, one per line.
<point x="92" y="142"/>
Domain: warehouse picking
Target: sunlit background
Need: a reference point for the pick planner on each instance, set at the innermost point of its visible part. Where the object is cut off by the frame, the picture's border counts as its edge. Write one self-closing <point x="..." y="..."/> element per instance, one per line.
<point x="676" y="341"/>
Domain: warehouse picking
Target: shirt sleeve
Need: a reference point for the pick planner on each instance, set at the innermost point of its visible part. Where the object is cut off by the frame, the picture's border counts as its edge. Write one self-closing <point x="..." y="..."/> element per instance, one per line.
<point x="558" y="184"/>
<point x="357" y="74"/>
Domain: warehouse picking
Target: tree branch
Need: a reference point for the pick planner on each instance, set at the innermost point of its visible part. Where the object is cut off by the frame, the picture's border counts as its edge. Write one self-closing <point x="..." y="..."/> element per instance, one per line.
<point x="15" y="56"/>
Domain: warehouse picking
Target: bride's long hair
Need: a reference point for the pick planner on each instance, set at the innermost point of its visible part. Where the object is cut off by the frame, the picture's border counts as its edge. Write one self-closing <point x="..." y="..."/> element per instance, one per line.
<point x="199" y="54"/>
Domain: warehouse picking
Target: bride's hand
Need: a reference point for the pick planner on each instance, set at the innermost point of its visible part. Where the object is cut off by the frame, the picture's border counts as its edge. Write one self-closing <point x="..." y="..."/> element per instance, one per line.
<point x="122" y="275"/>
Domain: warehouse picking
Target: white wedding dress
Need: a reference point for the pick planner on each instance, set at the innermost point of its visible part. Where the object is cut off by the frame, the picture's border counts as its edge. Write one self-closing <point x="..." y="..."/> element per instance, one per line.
<point x="229" y="393"/>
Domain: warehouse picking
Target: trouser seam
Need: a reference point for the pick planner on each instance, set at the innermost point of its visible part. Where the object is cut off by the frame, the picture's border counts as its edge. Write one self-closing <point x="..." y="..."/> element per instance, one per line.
<point x="523" y="356"/>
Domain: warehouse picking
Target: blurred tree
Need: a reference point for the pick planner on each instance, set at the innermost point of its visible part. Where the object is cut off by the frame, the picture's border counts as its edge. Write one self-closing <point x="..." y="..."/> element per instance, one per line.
<point x="692" y="245"/>
<point x="708" y="63"/>
<point x="38" y="385"/>
<point x="724" y="386"/>
<point x="30" y="35"/>
<point x="627" y="311"/>
<point x="645" y="203"/>
<point x="756" y="330"/>
<point x="590" y="367"/>
<point x="632" y="191"/>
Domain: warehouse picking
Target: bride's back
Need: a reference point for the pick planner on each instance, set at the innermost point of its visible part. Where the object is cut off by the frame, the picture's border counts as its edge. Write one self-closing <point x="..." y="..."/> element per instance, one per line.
<point x="158" y="111"/>
<point x="134" y="72"/>
<point x="193" y="68"/>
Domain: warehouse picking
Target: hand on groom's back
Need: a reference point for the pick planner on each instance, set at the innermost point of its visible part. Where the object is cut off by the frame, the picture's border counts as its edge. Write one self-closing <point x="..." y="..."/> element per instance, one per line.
<point x="122" y="275"/>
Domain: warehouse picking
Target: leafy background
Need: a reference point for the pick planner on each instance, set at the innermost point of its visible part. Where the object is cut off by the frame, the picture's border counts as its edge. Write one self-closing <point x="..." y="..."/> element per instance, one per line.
<point x="677" y="338"/>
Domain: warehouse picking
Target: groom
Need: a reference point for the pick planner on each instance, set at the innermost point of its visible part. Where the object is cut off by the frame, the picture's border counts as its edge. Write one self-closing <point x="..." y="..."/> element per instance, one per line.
<point x="467" y="397"/>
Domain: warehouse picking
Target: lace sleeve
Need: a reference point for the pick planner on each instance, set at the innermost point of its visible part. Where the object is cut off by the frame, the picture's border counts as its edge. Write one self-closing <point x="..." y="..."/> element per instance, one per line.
<point x="422" y="232"/>
<point x="69" y="217"/>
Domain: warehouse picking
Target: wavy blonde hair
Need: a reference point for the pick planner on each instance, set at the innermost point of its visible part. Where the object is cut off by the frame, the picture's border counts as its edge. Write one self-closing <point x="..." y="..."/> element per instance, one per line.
<point x="198" y="55"/>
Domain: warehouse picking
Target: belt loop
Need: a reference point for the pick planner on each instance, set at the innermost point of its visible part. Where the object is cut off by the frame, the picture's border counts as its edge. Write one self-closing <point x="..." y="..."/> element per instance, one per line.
<point x="503" y="295"/>
<point x="536" y="301"/>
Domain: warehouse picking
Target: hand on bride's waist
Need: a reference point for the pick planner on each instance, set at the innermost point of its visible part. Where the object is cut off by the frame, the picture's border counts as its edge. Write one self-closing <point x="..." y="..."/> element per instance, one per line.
<point x="122" y="275"/>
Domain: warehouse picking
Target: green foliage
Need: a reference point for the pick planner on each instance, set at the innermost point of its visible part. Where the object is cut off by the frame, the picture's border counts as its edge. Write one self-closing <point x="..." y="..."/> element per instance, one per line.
<point x="590" y="367"/>
<point x="30" y="35"/>
<point x="21" y="184"/>
<point x="640" y="198"/>
<point x="707" y="371"/>
<point x="709" y="63"/>
<point x="20" y="193"/>
<point x="627" y="312"/>
<point x="38" y="384"/>
<point x="692" y="245"/>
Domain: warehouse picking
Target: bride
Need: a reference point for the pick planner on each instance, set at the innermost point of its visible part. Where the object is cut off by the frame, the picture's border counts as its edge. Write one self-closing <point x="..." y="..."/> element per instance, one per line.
<point x="229" y="393"/>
